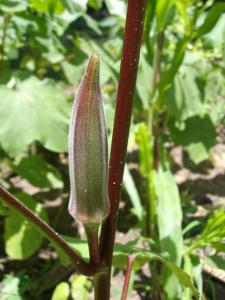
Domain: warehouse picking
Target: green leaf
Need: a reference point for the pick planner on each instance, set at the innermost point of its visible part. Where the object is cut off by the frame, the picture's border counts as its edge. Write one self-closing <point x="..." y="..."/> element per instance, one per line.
<point x="197" y="272"/>
<point x="4" y="211"/>
<point x="215" y="261"/>
<point x="10" y="289"/>
<point x="164" y="13"/>
<point x="33" y="110"/>
<point x="80" y="286"/>
<point x="211" y="19"/>
<point x="184" y="99"/>
<point x="79" y="245"/>
<point x="61" y="292"/>
<point x="182" y="7"/>
<point x="96" y="4"/>
<point x="47" y="6"/>
<point x="197" y="137"/>
<point x="214" y="231"/>
<point x="75" y="5"/>
<point x="144" y="141"/>
<point x="92" y="24"/>
<point x="116" y="7"/>
<point x="169" y="216"/>
<point x="179" y="53"/>
<point x="133" y="193"/>
<point x="39" y="173"/>
<point x="13" y="6"/>
<point x="144" y="80"/>
<point x="21" y="239"/>
<point x="187" y="293"/>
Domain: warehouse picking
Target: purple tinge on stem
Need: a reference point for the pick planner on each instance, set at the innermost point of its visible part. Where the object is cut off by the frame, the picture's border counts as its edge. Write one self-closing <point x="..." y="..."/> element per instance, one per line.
<point x="88" y="161"/>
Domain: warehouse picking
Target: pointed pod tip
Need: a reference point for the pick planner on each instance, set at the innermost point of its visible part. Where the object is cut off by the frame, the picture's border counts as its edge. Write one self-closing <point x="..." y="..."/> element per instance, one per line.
<point x="95" y="58"/>
<point x="93" y="66"/>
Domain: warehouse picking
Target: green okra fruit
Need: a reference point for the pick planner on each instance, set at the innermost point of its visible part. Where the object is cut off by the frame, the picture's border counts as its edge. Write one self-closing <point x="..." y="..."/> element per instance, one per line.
<point x="88" y="157"/>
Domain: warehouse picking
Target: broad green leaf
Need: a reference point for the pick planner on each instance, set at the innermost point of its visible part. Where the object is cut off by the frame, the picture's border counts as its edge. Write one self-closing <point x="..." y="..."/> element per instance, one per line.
<point x="80" y="286"/>
<point x="75" y="5"/>
<point x="197" y="136"/>
<point x="61" y="292"/>
<point x="211" y="19"/>
<point x="217" y="34"/>
<point x="21" y="239"/>
<point x="72" y="72"/>
<point x="133" y="193"/>
<point x="169" y="215"/>
<point x="33" y="110"/>
<point x="10" y="288"/>
<point x="116" y="7"/>
<point x="96" y="4"/>
<point x="184" y="98"/>
<point x="47" y="6"/>
<point x="13" y="6"/>
<point x="39" y="173"/>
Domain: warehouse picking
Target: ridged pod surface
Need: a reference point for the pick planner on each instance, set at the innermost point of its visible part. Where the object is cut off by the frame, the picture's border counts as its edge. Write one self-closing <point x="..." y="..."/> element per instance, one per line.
<point x="88" y="161"/>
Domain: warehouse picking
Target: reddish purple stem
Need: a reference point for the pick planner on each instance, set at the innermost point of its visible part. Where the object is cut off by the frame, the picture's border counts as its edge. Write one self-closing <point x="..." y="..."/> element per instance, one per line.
<point x="127" y="81"/>
<point x="130" y="260"/>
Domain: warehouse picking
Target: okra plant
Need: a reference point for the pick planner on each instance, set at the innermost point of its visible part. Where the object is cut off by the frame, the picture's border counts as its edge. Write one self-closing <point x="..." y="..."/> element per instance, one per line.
<point x="92" y="202"/>
<point x="96" y="180"/>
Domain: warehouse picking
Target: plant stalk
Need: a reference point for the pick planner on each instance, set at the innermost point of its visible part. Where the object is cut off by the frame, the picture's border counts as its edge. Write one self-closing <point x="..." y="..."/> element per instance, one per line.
<point x="93" y="245"/>
<point x="130" y="260"/>
<point x="127" y="81"/>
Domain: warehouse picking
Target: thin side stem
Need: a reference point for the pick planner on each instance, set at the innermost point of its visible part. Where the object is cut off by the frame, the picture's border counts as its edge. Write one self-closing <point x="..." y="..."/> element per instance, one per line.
<point x="49" y="233"/>
<point x="127" y="81"/>
<point x="93" y="245"/>
<point x="130" y="260"/>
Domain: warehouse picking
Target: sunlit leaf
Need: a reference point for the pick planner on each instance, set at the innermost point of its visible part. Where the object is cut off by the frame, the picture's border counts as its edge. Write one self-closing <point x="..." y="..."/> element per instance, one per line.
<point x="133" y="193"/>
<point x="96" y="4"/>
<point x="33" y="110"/>
<point x="21" y="238"/>
<point x="51" y="6"/>
<point x="38" y="172"/>
<point x="61" y="292"/>
<point x="80" y="286"/>
<point x="169" y="215"/>
<point x="211" y="19"/>
<point x="197" y="136"/>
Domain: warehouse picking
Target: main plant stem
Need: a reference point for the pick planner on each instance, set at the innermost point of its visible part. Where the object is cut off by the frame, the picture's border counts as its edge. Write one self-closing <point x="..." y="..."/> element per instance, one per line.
<point x="127" y="81"/>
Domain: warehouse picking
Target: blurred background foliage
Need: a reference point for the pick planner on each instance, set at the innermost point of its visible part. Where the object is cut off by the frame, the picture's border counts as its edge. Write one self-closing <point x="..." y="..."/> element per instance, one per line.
<point x="44" y="47"/>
